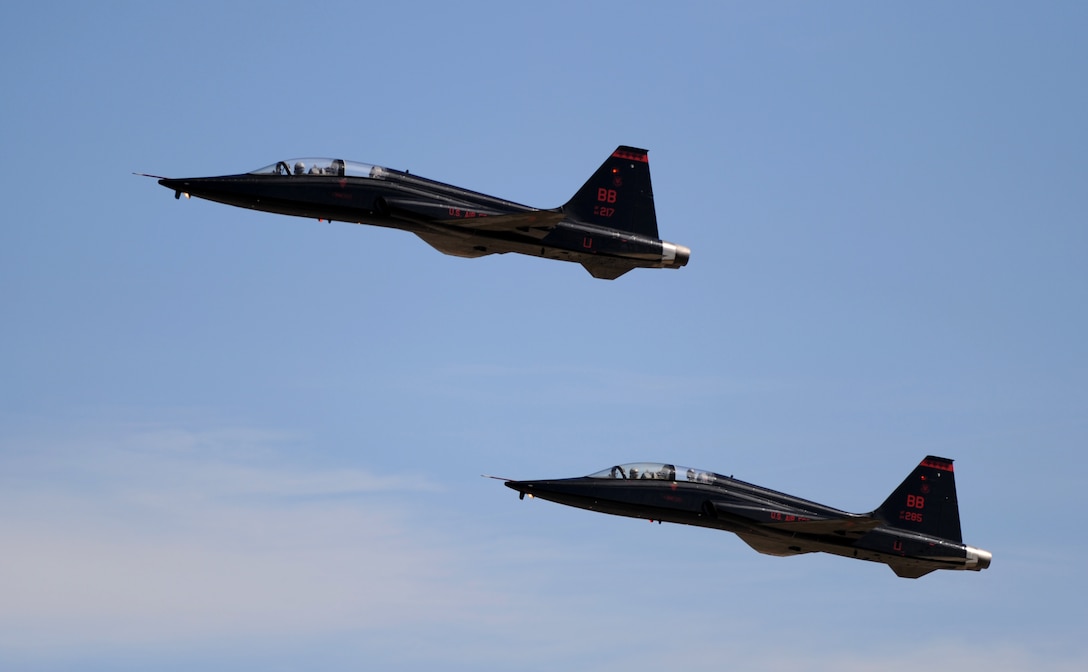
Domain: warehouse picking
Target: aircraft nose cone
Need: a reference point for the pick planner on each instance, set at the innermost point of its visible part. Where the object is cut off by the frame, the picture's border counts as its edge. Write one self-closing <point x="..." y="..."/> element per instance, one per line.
<point x="179" y="187"/>
<point x="522" y="487"/>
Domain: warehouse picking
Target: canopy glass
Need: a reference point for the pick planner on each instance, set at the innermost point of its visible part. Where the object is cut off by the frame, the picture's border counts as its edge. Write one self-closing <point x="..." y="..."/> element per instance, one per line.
<point x="658" y="471"/>
<point x="334" y="167"/>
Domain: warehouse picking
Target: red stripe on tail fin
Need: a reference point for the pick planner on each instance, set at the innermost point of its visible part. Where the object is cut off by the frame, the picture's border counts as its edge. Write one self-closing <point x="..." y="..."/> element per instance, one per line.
<point x="937" y="463"/>
<point x="631" y="153"/>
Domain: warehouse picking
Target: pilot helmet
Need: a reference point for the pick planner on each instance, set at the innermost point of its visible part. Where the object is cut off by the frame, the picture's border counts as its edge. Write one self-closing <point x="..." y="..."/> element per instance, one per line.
<point x="300" y="168"/>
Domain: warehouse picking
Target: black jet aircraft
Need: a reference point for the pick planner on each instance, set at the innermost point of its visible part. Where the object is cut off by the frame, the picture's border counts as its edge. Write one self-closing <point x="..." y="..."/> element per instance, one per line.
<point x="609" y="226"/>
<point x="915" y="531"/>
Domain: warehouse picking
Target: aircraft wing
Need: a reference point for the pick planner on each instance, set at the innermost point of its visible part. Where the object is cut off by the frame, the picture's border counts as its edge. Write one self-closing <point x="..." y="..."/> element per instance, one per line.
<point x="533" y="223"/>
<point x="844" y="526"/>
<point x="424" y="212"/>
<point x="769" y="546"/>
<point x="452" y="245"/>
<point x="791" y="521"/>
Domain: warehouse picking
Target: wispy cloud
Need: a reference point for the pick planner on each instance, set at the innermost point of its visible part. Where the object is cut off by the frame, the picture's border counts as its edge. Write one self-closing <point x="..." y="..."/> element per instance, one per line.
<point x="172" y="535"/>
<point x="160" y="540"/>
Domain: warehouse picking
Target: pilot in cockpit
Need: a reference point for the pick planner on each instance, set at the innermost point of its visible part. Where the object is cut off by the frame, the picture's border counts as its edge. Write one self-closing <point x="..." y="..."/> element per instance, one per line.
<point x="300" y="168"/>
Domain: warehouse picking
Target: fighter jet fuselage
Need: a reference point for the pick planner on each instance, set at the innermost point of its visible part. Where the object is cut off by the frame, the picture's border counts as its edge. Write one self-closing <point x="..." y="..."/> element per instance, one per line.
<point x="915" y="531"/>
<point x="609" y="226"/>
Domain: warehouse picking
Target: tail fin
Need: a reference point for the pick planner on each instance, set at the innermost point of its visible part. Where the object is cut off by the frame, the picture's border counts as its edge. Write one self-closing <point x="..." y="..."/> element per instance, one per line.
<point x="619" y="195"/>
<point x="926" y="501"/>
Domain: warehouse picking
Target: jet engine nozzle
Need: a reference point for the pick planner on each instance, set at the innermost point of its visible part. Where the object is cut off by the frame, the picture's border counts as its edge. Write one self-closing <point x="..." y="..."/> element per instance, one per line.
<point x="674" y="256"/>
<point x="978" y="559"/>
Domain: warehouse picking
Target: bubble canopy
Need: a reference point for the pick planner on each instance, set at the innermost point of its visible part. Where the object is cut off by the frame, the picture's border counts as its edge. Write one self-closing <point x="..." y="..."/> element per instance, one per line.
<point x="334" y="167"/>
<point x="657" y="471"/>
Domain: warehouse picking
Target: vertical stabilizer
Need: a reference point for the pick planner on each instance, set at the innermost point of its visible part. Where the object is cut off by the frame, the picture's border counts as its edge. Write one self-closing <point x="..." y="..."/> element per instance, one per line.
<point x="926" y="501"/>
<point x="619" y="195"/>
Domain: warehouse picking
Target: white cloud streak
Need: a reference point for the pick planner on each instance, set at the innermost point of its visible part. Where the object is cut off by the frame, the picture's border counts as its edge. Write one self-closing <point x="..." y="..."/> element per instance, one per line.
<point x="160" y="541"/>
<point x="146" y="539"/>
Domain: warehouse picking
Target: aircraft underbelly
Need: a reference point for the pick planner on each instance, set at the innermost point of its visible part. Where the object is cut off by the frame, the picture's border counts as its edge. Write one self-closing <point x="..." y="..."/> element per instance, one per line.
<point x="477" y="244"/>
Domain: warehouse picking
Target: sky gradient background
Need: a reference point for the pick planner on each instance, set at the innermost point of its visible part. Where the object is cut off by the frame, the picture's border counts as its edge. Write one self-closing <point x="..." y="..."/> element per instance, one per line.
<point x="232" y="440"/>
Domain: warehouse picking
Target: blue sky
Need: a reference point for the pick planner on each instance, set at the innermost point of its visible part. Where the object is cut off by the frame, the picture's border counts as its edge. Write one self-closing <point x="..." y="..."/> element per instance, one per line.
<point x="234" y="440"/>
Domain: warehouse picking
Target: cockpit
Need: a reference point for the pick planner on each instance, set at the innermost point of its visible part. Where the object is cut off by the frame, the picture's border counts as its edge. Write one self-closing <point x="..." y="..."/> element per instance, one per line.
<point x="328" y="167"/>
<point x="659" y="472"/>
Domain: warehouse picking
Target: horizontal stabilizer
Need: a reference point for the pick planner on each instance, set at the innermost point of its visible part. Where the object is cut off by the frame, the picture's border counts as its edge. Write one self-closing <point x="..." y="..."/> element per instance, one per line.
<point x="607" y="269"/>
<point x="910" y="570"/>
